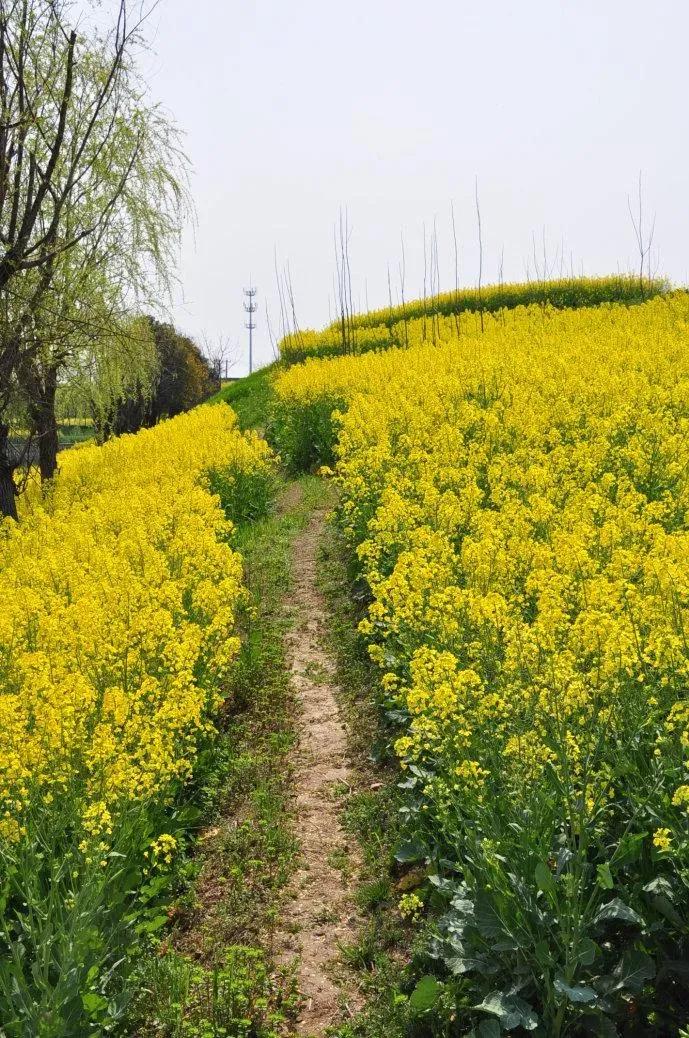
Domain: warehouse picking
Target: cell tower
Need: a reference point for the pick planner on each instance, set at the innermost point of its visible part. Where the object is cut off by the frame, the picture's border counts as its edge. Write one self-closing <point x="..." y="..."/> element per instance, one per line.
<point x="251" y="306"/>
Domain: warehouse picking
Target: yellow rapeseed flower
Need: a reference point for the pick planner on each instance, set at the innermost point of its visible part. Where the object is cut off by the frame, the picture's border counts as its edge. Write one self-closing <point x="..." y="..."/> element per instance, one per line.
<point x="118" y="624"/>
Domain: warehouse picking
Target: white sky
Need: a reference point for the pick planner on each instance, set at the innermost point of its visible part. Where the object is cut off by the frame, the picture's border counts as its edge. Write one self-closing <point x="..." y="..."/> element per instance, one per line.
<point x="391" y="108"/>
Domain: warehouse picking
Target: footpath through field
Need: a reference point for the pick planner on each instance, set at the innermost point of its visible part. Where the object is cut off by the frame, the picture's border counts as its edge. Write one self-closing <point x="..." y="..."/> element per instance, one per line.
<point x="319" y="916"/>
<point x="276" y="869"/>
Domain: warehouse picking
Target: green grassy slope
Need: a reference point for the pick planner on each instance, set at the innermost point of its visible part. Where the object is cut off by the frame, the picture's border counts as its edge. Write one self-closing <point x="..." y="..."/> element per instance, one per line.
<point x="249" y="397"/>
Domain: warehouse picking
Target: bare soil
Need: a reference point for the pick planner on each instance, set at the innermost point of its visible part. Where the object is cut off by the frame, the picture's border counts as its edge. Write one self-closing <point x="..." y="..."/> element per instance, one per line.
<point x="319" y="914"/>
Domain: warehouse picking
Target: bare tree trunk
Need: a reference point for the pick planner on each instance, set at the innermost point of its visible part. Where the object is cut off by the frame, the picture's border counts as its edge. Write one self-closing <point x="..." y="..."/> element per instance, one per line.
<point x="341" y="290"/>
<point x="644" y="243"/>
<point x="425" y="276"/>
<point x="502" y="282"/>
<point x="39" y="387"/>
<point x="435" y="284"/>
<point x="456" y="252"/>
<point x="480" y="254"/>
<point x="347" y="270"/>
<point x="403" y="274"/>
<point x="44" y="421"/>
<point x="8" y="490"/>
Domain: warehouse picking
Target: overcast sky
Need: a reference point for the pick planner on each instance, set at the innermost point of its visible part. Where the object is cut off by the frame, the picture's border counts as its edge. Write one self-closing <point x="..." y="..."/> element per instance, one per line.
<point x="392" y="109"/>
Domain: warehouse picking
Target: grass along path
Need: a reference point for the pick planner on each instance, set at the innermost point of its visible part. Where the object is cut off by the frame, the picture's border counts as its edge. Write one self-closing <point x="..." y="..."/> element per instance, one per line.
<point x="250" y="847"/>
<point x="320" y="915"/>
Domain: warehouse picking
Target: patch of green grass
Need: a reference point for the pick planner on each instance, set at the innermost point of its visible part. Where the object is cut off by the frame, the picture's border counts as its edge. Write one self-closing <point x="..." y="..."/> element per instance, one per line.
<point x="375" y="893"/>
<point x="339" y="859"/>
<point x="256" y="847"/>
<point x="237" y="999"/>
<point x="316" y="672"/>
<point x="69" y="433"/>
<point x="250" y="397"/>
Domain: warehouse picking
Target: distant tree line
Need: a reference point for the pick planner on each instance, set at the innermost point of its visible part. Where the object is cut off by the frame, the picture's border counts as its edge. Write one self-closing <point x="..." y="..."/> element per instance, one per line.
<point x="184" y="378"/>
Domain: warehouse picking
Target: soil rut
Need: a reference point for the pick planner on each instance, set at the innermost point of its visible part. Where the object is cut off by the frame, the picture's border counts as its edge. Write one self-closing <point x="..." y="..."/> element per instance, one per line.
<point x="319" y="915"/>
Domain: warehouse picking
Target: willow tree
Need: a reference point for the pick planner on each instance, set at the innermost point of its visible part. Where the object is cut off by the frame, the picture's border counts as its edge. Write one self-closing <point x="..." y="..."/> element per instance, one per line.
<point x="88" y="206"/>
<point x="92" y="358"/>
<point x="83" y="333"/>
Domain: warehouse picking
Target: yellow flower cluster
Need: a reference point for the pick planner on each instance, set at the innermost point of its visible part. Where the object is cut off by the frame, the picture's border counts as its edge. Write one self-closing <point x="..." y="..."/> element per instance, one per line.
<point x="562" y="293"/>
<point x="404" y="325"/>
<point x="118" y="621"/>
<point x="301" y="345"/>
<point x="410" y="906"/>
<point x="519" y="499"/>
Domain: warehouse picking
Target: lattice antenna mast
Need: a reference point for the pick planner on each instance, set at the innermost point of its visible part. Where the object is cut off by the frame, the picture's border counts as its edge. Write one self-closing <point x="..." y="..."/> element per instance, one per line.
<point x="251" y="306"/>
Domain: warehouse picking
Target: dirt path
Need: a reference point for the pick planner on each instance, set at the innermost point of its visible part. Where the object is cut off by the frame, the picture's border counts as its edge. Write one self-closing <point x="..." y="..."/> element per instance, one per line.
<point x="319" y="915"/>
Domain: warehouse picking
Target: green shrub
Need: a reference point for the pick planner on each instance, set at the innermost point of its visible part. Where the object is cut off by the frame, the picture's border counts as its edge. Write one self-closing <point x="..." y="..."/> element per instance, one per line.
<point x="304" y="435"/>
<point x="244" y="496"/>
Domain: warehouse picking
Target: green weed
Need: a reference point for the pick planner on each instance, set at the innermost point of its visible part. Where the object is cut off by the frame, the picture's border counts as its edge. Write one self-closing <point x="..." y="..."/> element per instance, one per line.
<point x="238" y="999"/>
